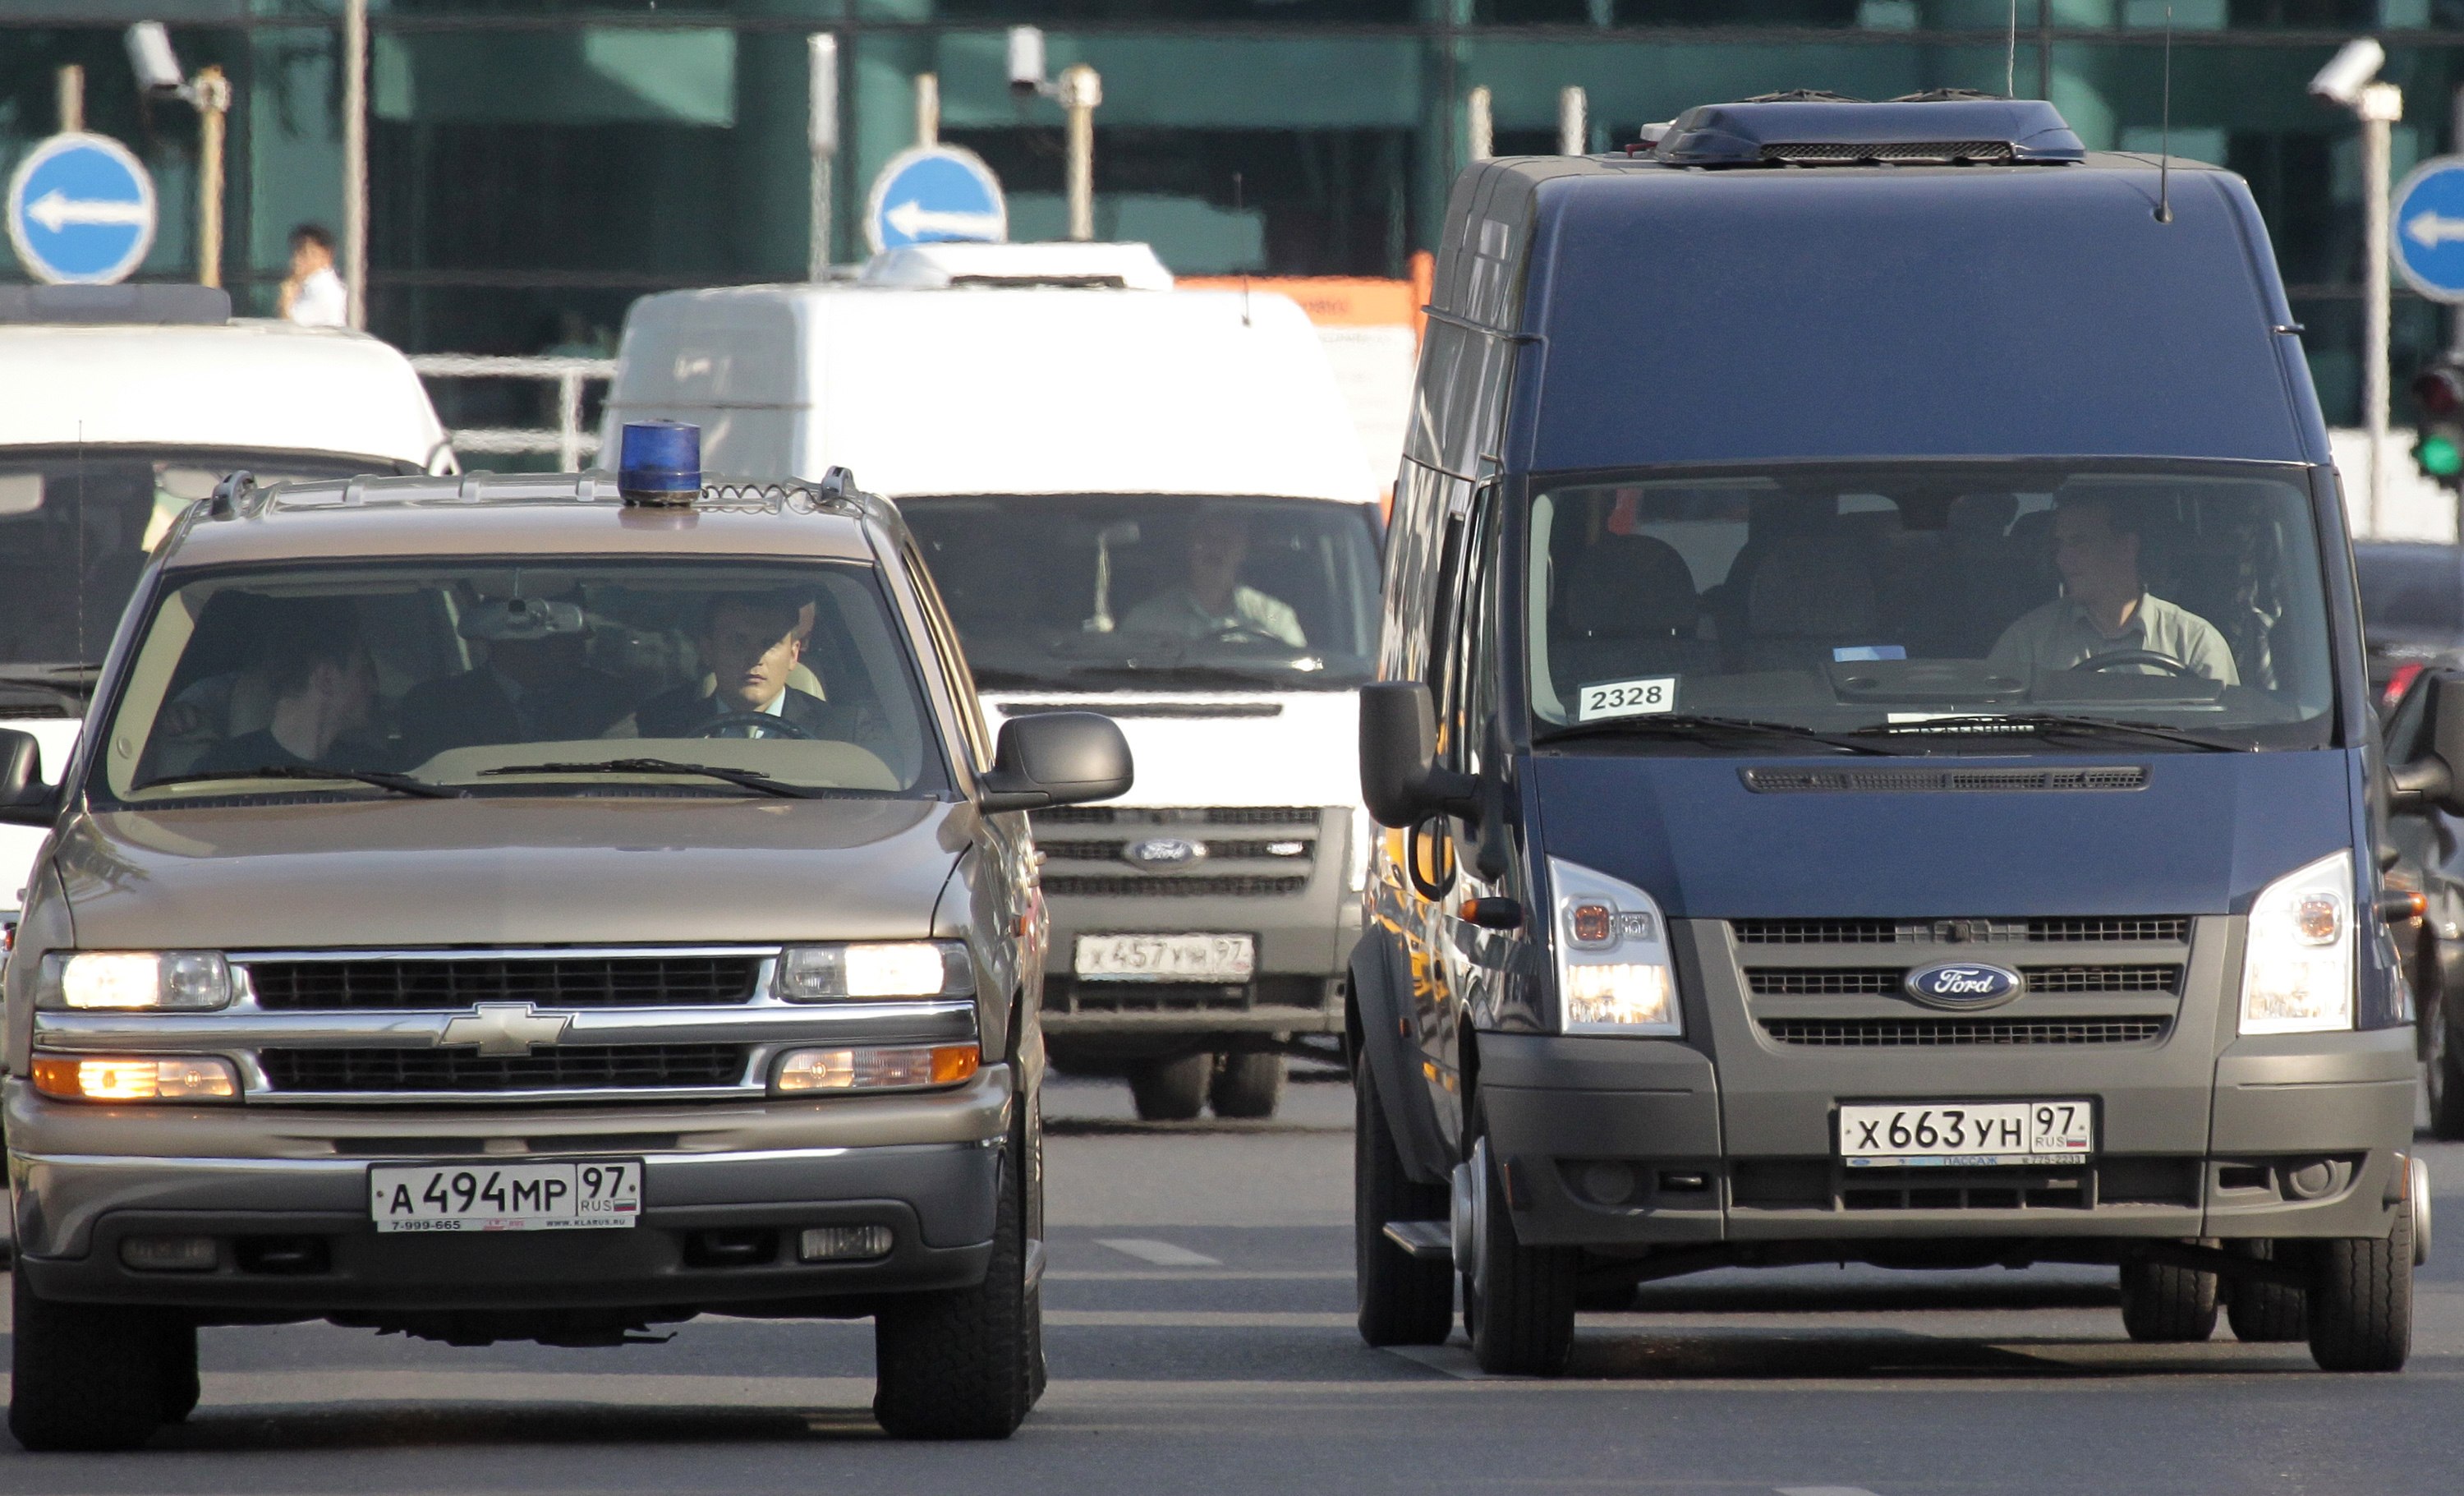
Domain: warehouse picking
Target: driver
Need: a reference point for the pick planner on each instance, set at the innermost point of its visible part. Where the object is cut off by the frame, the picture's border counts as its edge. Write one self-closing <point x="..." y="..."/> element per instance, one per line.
<point x="749" y="642"/>
<point x="325" y="699"/>
<point x="1213" y="602"/>
<point x="2105" y="609"/>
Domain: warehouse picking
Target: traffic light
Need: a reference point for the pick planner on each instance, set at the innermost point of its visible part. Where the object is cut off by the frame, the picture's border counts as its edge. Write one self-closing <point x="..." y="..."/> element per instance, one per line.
<point x="2438" y="390"/>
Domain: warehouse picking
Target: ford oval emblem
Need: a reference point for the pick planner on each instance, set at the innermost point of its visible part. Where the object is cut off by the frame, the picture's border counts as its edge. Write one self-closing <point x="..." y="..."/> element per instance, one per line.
<point x="1164" y="851"/>
<point x="1962" y="984"/>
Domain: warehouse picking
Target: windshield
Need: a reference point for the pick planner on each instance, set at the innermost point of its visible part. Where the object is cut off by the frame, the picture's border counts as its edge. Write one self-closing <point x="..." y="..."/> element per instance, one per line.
<point x="1155" y="592"/>
<point x="75" y="525"/>
<point x="1893" y="596"/>
<point x="502" y="676"/>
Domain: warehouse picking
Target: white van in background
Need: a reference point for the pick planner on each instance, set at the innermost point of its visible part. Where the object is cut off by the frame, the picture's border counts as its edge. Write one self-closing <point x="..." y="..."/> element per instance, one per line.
<point x="1142" y="501"/>
<point x="120" y="406"/>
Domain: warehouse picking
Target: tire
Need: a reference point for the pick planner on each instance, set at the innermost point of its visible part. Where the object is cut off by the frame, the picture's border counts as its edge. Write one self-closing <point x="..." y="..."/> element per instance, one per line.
<point x="2167" y="1306"/>
<point x="1403" y="1299"/>
<point x="2361" y="1301"/>
<point x="1248" y="1084"/>
<point x="961" y="1363"/>
<point x="1518" y="1300"/>
<point x="89" y="1376"/>
<point x="2264" y="1313"/>
<point x="2442" y="1070"/>
<point x="1170" y="1090"/>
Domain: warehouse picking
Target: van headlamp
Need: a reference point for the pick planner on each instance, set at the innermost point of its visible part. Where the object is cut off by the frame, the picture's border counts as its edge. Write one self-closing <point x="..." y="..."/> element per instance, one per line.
<point x="135" y="981"/>
<point x="2297" y="974"/>
<point x="1614" y="974"/>
<point x="868" y="970"/>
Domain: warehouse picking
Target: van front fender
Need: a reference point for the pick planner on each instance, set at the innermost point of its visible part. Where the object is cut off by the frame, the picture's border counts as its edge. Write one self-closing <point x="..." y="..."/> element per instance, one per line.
<point x="1379" y="1011"/>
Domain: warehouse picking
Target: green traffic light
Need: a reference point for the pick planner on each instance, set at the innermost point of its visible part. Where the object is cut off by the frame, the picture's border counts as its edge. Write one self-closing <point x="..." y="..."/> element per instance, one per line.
<point x="2439" y="456"/>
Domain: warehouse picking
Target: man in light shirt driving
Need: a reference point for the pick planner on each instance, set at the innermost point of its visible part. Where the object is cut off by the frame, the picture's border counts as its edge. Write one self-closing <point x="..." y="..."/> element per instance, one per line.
<point x="1213" y="603"/>
<point x="2106" y="607"/>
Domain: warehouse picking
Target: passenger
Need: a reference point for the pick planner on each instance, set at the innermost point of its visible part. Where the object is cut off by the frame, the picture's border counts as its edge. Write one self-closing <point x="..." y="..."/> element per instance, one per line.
<point x="325" y="699"/>
<point x="751" y="644"/>
<point x="2106" y="607"/>
<point x="536" y="685"/>
<point x="1213" y="603"/>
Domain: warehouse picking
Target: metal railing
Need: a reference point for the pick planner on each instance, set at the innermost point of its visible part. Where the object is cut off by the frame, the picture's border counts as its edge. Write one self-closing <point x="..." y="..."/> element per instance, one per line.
<point x="570" y="443"/>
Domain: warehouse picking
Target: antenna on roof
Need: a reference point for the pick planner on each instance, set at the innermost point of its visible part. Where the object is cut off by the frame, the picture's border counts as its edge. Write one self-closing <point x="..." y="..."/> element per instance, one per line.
<point x="2011" y="53"/>
<point x="2165" y="132"/>
<point x="1244" y="274"/>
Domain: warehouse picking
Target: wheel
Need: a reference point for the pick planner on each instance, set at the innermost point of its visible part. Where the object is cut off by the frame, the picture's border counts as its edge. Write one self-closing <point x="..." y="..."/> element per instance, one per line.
<point x="90" y="1377"/>
<point x="1518" y="1300"/>
<point x="1403" y="1299"/>
<point x="2167" y="1305"/>
<point x="2361" y="1301"/>
<point x="1247" y="1083"/>
<point x="2442" y="1064"/>
<point x="2264" y="1313"/>
<point x="1170" y="1090"/>
<point x="961" y="1363"/>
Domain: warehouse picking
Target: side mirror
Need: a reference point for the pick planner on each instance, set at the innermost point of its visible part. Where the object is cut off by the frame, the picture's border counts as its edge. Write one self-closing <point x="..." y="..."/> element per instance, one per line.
<point x="1056" y="759"/>
<point x="1400" y="781"/>
<point x="2435" y="781"/>
<point x="25" y="799"/>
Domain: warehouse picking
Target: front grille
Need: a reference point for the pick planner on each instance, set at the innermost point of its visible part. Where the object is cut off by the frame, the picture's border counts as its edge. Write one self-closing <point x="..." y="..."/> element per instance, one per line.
<point x="1929" y="1033"/>
<point x="2103" y="978"/>
<point x="1230" y="886"/>
<point x="1075" y="995"/>
<point x="560" y="1067"/>
<point x="2066" y="929"/>
<point x="1295" y="849"/>
<point x="1968" y="1189"/>
<point x="1828" y="152"/>
<point x="1175" y="815"/>
<point x="1816" y="982"/>
<point x="552" y="980"/>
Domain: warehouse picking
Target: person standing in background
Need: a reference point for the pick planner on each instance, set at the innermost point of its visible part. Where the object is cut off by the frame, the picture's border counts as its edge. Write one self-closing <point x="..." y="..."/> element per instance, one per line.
<point x="313" y="294"/>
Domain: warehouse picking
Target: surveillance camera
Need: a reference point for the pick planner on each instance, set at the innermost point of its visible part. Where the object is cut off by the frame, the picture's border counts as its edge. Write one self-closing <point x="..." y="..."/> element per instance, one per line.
<point x="2348" y="72"/>
<point x="1026" y="60"/>
<point x="149" y="53"/>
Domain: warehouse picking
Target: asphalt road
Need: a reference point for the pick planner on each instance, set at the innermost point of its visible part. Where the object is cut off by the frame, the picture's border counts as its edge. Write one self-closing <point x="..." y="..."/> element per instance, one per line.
<point x="1200" y="1325"/>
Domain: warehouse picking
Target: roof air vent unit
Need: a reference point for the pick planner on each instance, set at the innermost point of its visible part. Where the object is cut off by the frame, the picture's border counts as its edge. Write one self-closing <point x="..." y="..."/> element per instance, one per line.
<point x="160" y="305"/>
<point x="1127" y="267"/>
<point x="1811" y="132"/>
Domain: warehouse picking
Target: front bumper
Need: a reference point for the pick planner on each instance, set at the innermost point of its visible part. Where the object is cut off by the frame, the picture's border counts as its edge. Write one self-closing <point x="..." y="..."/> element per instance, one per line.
<point x="1304" y="939"/>
<point x="725" y="1191"/>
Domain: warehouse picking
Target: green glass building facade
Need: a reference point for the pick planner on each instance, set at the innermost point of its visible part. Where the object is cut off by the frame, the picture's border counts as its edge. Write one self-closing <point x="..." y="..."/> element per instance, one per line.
<point x="537" y="163"/>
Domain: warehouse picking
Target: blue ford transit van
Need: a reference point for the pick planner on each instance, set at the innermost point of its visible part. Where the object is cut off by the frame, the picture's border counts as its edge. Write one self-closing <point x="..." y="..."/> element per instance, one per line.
<point x="1876" y="748"/>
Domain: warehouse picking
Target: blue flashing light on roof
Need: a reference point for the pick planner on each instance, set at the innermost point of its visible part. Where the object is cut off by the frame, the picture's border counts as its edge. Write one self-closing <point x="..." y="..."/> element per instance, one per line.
<point x="660" y="463"/>
<point x="1825" y="132"/>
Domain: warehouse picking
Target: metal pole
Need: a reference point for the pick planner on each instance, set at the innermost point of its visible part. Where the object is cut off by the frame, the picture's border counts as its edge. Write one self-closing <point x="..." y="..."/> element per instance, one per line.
<point x="1574" y="124"/>
<point x="928" y="109"/>
<point x="1479" y="134"/>
<point x="568" y="422"/>
<point x="822" y="136"/>
<point x="1082" y="92"/>
<point x="72" y="99"/>
<point x="213" y="92"/>
<point x="2380" y="106"/>
<point x="354" y="159"/>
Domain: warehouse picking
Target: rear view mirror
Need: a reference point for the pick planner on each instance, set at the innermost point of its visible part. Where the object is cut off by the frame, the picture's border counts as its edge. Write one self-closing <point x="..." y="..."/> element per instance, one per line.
<point x="25" y="799"/>
<point x="2435" y="780"/>
<point x="1400" y="781"/>
<point x="1056" y="759"/>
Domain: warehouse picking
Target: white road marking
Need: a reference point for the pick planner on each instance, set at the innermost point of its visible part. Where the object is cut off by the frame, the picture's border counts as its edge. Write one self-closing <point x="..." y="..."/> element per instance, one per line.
<point x="1163" y="1254"/>
<point x="1823" y="1491"/>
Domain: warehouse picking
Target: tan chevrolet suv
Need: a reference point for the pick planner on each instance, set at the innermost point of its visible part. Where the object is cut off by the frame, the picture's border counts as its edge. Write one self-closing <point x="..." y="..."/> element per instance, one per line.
<point x="487" y="909"/>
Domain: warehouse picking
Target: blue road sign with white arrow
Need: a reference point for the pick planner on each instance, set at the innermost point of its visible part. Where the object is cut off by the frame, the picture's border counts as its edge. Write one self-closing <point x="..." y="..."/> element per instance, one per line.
<point x="80" y="210"/>
<point x="933" y="194"/>
<point x="2427" y="220"/>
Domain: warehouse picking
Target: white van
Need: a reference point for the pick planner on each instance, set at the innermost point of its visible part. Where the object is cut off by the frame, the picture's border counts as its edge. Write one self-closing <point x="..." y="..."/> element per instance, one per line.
<point x="1145" y="501"/>
<point x="120" y="406"/>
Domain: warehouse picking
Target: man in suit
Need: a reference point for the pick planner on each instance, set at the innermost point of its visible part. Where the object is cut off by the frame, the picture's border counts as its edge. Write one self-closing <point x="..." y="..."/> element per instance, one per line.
<point x="750" y="643"/>
<point x="535" y="686"/>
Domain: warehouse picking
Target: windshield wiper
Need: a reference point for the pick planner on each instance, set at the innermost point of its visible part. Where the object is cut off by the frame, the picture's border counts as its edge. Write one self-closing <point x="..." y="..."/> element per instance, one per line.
<point x="743" y="779"/>
<point x="2041" y="722"/>
<point x="398" y="783"/>
<point x="1685" y="724"/>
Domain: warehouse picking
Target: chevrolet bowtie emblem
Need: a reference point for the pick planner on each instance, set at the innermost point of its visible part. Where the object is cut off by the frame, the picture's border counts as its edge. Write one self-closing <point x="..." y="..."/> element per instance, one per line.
<point x="504" y="1029"/>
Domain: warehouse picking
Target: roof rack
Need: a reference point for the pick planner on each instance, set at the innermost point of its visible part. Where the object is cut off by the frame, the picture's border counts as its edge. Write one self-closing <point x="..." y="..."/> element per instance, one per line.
<point x="1948" y="128"/>
<point x="239" y="496"/>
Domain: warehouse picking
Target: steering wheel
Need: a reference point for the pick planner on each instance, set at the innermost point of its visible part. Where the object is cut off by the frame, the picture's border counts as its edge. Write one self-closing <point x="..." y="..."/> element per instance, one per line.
<point x="762" y="724"/>
<point x="1239" y="631"/>
<point x="2099" y="664"/>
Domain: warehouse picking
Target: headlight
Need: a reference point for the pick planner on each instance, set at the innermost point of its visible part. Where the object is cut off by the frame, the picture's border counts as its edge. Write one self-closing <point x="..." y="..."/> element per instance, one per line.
<point x="2297" y="975"/>
<point x="137" y="1078"/>
<point x="885" y="969"/>
<point x="1614" y="974"/>
<point x="136" y="979"/>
